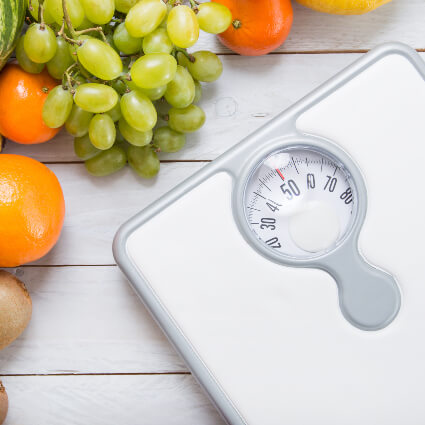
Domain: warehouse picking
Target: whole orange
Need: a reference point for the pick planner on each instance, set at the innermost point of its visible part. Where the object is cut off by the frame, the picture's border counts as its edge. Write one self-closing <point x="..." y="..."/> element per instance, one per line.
<point x="22" y="98"/>
<point x="32" y="210"/>
<point x="258" y="27"/>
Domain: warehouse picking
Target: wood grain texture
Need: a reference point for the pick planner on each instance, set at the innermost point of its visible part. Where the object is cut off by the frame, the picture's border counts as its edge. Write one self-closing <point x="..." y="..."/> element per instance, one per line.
<point x="250" y="92"/>
<point x="108" y="400"/>
<point x="96" y="207"/>
<point x="87" y="320"/>
<point x="399" y="20"/>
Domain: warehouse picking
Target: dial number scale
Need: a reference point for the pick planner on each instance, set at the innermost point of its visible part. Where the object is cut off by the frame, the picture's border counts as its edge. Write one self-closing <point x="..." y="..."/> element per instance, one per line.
<point x="300" y="202"/>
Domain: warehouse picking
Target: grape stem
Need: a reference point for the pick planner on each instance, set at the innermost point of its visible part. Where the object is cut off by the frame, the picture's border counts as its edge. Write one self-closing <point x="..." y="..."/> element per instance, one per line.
<point x="68" y="78"/>
<point x="67" y="19"/>
<point x="190" y="57"/>
<point x="98" y="29"/>
<point x="30" y="20"/>
<point x="62" y="34"/>
<point x="41" y="14"/>
<point x="194" y="6"/>
<point x="125" y="79"/>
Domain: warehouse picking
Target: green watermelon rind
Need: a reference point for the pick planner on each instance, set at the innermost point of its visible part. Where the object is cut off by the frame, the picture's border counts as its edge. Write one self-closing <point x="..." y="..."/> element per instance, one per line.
<point x="12" y="14"/>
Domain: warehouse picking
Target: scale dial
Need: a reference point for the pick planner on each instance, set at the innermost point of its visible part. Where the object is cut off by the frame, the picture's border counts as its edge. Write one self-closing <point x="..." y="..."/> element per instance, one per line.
<point x="300" y="202"/>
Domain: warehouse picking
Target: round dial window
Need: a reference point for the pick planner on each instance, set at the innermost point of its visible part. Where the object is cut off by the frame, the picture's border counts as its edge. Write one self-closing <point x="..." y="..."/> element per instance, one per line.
<point x="300" y="202"/>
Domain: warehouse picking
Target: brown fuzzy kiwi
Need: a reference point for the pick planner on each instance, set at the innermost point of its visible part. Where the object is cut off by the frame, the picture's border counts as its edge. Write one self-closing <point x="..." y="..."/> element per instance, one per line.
<point x="15" y="308"/>
<point x="4" y="403"/>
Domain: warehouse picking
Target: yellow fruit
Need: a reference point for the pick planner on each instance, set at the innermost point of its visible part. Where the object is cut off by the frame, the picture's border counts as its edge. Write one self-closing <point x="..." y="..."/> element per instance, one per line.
<point x="343" y="7"/>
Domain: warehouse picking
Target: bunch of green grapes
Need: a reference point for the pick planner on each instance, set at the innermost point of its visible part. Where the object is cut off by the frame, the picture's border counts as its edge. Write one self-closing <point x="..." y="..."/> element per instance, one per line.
<point x="123" y="65"/>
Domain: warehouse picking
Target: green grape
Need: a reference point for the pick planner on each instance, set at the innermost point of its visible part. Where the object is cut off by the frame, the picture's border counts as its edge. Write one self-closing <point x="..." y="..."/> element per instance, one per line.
<point x="138" y="110"/>
<point x="124" y="6"/>
<point x="163" y="24"/>
<point x="115" y="112"/>
<point x="61" y="61"/>
<point x="186" y="120"/>
<point x="182" y="26"/>
<point x="73" y="48"/>
<point x="99" y="12"/>
<point x="99" y="59"/>
<point x="119" y="86"/>
<point x="132" y="85"/>
<point x="79" y="79"/>
<point x="48" y="18"/>
<point x="120" y="138"/>
<point x="40" y="43"/>
<point x="57" y="107"/>
<point x="214" y="17"/>
<point x="168" y="140"/>
<point x="144" y="161"/>
<point x="121" y="142"/>
<point x="144" y="17"/>
<point x="125" y="42"/>
<point x="162" y="108"/>
<point x="181" y="90"/>
<point x="94" y="97"/>
<point x="102" y="131"/>
<point x="157" y="42"/>
<point x="78" y="121"/>
<point x="86" y="24"/>
<point x="155" y="93"/>
<point x="198" y="92"/>
<point x="133" y="136"/>
<point x="74" y="8"/>
<point x="84" y="148"/>
<point x="153" y="70"/>
<point x="110" y="41"/>
<point x="107" y="162"/>
<point x="207" y="66"/>
<point x="24" y="61"/>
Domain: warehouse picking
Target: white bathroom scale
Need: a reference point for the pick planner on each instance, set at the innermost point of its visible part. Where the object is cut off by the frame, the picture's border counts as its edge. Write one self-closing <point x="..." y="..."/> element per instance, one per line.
<point x="290" y="272"/>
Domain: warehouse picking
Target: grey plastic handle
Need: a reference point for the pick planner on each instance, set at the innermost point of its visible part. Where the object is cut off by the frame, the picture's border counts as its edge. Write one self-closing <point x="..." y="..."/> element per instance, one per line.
<point x="369" y="297"/>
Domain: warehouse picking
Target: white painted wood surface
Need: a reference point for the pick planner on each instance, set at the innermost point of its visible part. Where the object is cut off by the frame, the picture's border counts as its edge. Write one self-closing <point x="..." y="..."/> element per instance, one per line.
<point x="250" y="92"/>
<point x="92" y="354"/>
<point x="108" y="400"/>
<point x="86" y="320"/>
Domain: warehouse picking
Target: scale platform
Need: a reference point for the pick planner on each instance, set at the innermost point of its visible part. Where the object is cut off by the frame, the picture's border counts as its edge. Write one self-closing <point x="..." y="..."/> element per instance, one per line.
<point x="289" y="273"/>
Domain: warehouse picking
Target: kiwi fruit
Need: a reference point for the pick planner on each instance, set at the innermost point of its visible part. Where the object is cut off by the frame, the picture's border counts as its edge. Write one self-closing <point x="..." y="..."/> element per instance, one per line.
<point x="15" y="308"/>
<point x="4" y="403"/>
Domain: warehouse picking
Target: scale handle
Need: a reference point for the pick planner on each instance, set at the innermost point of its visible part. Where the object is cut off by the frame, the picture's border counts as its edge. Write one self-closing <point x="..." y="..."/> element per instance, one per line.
<point x="369" y="297"/>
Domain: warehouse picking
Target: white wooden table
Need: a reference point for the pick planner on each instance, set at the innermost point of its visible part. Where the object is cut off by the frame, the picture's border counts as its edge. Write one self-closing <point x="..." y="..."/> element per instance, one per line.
<point x="92" y="354"/>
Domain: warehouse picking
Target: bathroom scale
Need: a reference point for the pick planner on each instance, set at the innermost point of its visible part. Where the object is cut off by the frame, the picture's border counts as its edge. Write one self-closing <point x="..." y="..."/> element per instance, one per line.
<point x="289" y="273"/>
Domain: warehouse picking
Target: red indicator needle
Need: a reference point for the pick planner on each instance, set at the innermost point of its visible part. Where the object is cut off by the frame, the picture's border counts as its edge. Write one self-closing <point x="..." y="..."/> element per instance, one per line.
<point x="280" y="174"/>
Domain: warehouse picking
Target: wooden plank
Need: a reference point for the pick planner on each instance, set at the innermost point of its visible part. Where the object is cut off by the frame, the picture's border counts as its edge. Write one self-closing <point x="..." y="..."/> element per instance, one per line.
<point x="96" y="207"/>
<point x="399" y="20"/>
<point x="249" y="93"/>
<point x="87" y="320"/>
<point x="108" y="400"/>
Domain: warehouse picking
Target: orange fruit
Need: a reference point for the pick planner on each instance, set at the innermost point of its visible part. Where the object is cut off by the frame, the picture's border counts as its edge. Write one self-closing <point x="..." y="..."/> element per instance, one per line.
<point x="32" y="210"/>
<point x="22" y="98"/>
<point x="258" y="27"/>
